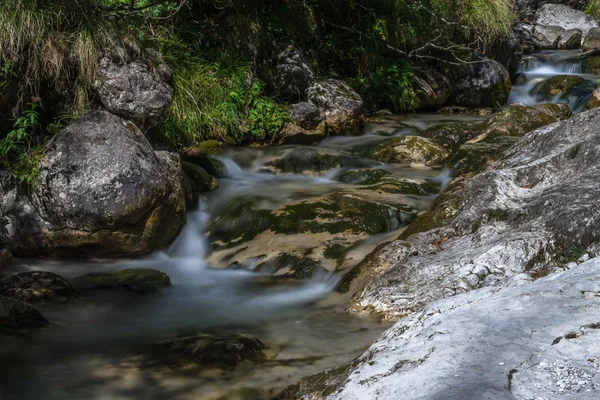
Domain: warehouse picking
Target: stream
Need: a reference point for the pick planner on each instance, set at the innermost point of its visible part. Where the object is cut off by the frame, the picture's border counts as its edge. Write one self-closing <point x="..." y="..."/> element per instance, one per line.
<point x="92" y="349"/>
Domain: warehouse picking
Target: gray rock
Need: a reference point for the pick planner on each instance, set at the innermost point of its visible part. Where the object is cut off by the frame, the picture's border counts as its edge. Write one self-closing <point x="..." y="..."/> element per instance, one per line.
<point x="293" y="73"/>
<point x="135" y="90"/>
<point x="565" y="17"/>
<point x="526" y="215"/>
<point x="16" y="315"/>
<point x="525" y="33"/>
<point x="570" y="39"/>
<point x="306" y="115"/>
<point x="592" y="40"/>
<point x="508" y="52"/>
<point x="486" y="84"/>
<point x="526" y="341"/>
<point x="5" y="257"/>
<point x="548" y="36"/>
<point x="340" y="104"/>
<point x="102" y="191"/>
<point x="432" y="89"/>
<point x="37" y="286"/>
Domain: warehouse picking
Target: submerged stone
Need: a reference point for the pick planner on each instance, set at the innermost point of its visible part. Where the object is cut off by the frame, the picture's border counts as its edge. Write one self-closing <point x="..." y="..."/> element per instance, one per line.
<point x="15" y="315"/>
<point x="37" y="286"/>
<point x="451" y="136"/>
<point x="362" y="176"/>
<point x="290" y="265"/>
<point x="142" y="280"/>
<point x="302" y="159"/>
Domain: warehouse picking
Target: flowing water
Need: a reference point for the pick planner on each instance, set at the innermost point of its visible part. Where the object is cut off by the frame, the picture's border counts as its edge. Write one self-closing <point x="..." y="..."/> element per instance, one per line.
<point x="95" y="348"/>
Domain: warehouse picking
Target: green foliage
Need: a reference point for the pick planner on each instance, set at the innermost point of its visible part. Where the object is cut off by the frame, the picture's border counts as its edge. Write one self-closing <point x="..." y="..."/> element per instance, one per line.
<point x="20" y="153"/>
<point x="388" y="87"/>
<point x="593" y="9"/>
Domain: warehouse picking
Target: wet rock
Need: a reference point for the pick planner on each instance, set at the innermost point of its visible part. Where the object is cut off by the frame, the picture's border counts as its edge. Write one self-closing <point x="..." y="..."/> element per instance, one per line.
<point x="306" y="115"/>
<point x="570" y="39"/>
<point x="525" y="33"/>
<point x="594" y="101"/>
<point x="293" y="73"/>
<point x="533" y="341"/>
<point x="294" y="134"/>
<point x="5" y="258"/>
<point x="142" y="280"/>
<point x="298" y="160"/>
<point x="223" y="351"/>
<point x="362" y="176"/>
<point x="15" y="315"/>
<point x="410" y="149"/>
<point x="136" y="90"/>
<point x="518" y="218"/>
<point x="37" y="286"/>
<point x="475" y="157"/>
<point x="519" y="119"/>
<point x="239" y="221"/>
<point x="558" y="86"/>
<point x="196" y="181"/>
<point x="589" y="61"/>
<point x="564" y="17"/>
<point x="431" y="89"/>
<point x="592" y="40"/>
<point x="520" y="79"/>
<point x="548" y="36"/>
<point x="452" y="136"/>
<point x="486" y="84"/>
<point x="507" y="51"/>
<point x="102" y="191"/>
<point x="202" y="155"/>
<point x="340" y="104"/>
<point x="289" y="265"/>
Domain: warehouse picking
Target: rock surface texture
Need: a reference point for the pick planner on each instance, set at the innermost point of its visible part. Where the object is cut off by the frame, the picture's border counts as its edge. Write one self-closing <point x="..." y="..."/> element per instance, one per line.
<point x="293" y="73"/>
<point x="534" y="211"/>
<point x="487" y="84"/>
<point x="135" y="90"/>
<point x="529" y="342"/>
<point x="565" y="17"/>
<point x="103" y="191"/>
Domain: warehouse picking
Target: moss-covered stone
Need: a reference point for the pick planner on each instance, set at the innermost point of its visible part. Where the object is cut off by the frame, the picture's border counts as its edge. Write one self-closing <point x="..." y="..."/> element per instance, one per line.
<point x="291" y="266"/>
<point x="241" y="220"/>
<point x="200" y="154"/>
<point x="594" y="100"/>
<point x="519" y="119"/>
<point x="16" y="315"/>
<point x="410" y="149"/>
<point x="475" y="157"/>
<point x="405" y="186"/>
<point x="142" y="280"/>
<point x="340" y="213"/>
<point x="362" y="176"/>
<point x="452" y="136"/>
<point x="37" y="286"/>
<point x="196" y="181"/>
<point x="558" y="85"/>
<point x="592" y="65"/>
<point x="304" y="159"/>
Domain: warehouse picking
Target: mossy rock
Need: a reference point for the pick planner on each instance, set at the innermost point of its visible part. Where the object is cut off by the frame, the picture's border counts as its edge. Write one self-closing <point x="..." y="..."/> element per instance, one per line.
<point x="304" y="159"/>
<point x="318" y="386"/>
<point x="201" y="154"/>
<point x="340" y="213"/>
<point x="452" y="136"/>
<point x="410" y="149"/>
<point x="475" y="157"/>
<point x="594" y="100"/>
<point x="16" y="315"/>
<point x="519" y="119"/>
<point x="362" y="176"/>
<point x="592" y="65"/>
<point x="240" y="221"/>
<point x="196" y="181"/>
<point x="142" y="280"/>
<point x="405" y="186"/>
<point x="37" y="286"/>
<point x="290" y="265"/>
<point x="213" y="351"/>
<point x="558" y="85"/>
<point x="520" y="79"/>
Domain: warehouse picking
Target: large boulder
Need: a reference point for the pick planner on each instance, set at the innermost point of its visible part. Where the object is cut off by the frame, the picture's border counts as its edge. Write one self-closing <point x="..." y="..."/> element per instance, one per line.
<point x="136" y="90"/>
<point x="592" y="40"/>
<point x="340" y="104"/>
<point x="102" y="191"/>
<point x="486" y="84"/>
<point x="548" y="36"/>
<point x="527" y="38"/>
<point x="508" y="52"/>
<point x="431" y="89"/>
<point x="534" y="211"/>
<point x="525" y="341"/>
<point x="565" y="17"/>
<point x="293" y="73"/>
<point x="307" y="125"/>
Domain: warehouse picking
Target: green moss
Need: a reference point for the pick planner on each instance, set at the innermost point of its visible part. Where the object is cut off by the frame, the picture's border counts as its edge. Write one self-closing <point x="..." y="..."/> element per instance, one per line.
<point x="409" y="149"/>
<point x="475" y="157"/>
<point x="336" y="251"/>
<point x="405" y="186"/>
<point x="240" y="221"/>
<point x="299" y="267"/>
<point x="559" y="85"/>
<point x="362" y="176"/>
<point x="300" y="160"/>
<point x="452" y="136"/>
<point x="592" y="65"/>
<point x="143" y="280"/>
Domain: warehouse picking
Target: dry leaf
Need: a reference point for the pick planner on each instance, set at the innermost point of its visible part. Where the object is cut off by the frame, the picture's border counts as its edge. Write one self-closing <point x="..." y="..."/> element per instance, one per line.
<point x="530" y="186"/>
<point x="439" y="242"/>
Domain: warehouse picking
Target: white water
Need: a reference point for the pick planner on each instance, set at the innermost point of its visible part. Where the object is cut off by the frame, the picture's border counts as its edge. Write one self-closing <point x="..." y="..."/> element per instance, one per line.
<point x="542" y="66"/>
